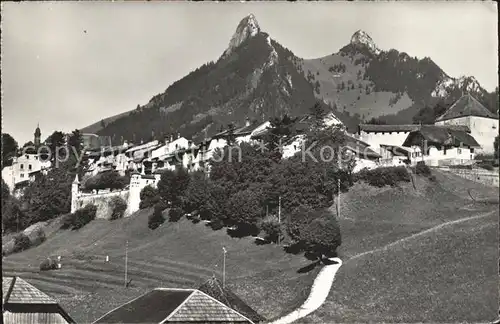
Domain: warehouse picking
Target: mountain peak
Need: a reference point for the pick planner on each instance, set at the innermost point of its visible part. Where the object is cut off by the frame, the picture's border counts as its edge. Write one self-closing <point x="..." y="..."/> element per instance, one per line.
<point x="362" y="38"/>
<point x="248" y="27"/>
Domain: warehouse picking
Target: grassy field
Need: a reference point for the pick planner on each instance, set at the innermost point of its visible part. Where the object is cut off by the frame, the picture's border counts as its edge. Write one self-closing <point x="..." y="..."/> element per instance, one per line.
<point x="452" y="267"/>
<point x="175" y="255"/>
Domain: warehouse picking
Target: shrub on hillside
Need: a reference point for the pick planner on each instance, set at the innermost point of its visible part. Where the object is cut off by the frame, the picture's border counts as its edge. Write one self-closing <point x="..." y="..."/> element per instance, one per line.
<point x="118" y="206"/>
<point x="271" y="227"/>
<point x="156" y="218"/>
<point x="21" y="243"/>
<point x="80" y="218"/>
<point x="298" y="219"/>
<point x="380" y="177"/>
<point x="48" y="264"/>
<point x="322" y="236"/>
<point x="149" y="197"/>
<point x="422" y="169"/>
<point x="39" y="237"/>
<point x="175" y="214"/>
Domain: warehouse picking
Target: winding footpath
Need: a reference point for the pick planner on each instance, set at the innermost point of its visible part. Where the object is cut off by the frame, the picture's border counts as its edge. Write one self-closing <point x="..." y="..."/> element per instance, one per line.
<point x="319" y="292"/>
<point x="323" y="282"/>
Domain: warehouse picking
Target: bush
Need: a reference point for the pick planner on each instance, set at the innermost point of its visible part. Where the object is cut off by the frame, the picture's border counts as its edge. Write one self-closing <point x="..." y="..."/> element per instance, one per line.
<point x="422" y="169"/>
<point x="175" y="214"/>
<point x="380" y="177"/>
<point x="48" y="264"/>
<point x="107" y="180"/>
<point x="21" y="243"/>
<point x="322" y="236"/>
<point x="156" y="218"/>
<point x="118" y="206"/>
<point x="80" y="218"/>
<point x="298" y="220"/>
<point x="39" y="237"/>
<point x="272" y="228"/>
<point x="149" y="197"/>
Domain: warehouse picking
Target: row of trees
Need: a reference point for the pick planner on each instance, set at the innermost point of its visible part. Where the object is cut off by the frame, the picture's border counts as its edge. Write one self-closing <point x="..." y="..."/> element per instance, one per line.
<point x="244" y="194"/>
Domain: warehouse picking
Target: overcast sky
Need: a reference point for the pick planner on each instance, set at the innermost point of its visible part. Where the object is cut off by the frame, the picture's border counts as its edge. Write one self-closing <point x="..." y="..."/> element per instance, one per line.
<point x="67" y="65"/>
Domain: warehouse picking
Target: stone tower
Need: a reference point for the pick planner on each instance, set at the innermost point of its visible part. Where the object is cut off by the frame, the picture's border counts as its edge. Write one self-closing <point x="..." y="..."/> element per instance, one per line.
<point x="75" y="189"/>
<point x="38" y="134"/>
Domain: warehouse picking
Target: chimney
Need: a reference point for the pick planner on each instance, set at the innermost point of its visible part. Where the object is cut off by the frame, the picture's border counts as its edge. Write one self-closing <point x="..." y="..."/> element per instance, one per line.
<point x="190" y="143"/>
<point x="247" y="122"/>
<point x="178" y="135"/>
<point x="171" y="138"/>
<point x="166" y="140"/>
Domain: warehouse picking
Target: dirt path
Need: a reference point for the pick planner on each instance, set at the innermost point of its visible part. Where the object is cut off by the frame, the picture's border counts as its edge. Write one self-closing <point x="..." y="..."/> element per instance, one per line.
<point x="429" y="230"/>
<point x="319" y="292"/>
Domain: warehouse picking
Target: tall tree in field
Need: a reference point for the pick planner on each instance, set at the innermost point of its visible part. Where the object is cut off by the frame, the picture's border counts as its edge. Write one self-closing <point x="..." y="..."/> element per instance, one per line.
<point x="9" y="149"/>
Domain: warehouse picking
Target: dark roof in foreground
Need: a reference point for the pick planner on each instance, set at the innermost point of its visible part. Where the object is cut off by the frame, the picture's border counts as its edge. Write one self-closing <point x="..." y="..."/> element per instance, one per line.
<point x="467" y="105"/>
<point x="165" y="305"/>
<point x="17" y="291"/>
<point x="213" y="287"/>
<point x="21" y="301"/>
<point x="443" y="136"/>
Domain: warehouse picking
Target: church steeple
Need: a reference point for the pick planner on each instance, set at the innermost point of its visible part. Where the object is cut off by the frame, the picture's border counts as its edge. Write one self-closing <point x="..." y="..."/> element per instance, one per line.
<point x="38" y="134"/>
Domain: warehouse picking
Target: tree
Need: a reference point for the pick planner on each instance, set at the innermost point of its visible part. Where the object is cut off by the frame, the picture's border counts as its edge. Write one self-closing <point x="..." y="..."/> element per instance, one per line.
<point x="149" y="197"/>
<point x="376" y="121"/>
<point x="56" y="141"/>
<point x="230" y="137"/>
<point x="245" y="207"/>
<point x="496" y="145"/>
<point x="75" y="141"/>
<point x="322" y="236"/>
<point x="318" y="114"/>
<point x="172" y="186"/>
<point x="9" y="149"/>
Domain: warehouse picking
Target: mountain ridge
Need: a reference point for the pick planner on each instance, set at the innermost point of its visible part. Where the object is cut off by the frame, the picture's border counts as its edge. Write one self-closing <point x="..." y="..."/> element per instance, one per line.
<point x="258" y="78"/>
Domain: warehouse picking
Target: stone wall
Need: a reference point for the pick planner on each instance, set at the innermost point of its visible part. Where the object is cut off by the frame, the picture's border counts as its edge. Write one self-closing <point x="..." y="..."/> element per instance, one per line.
<point x="488" y="178"/>
<point x="102" y="201"/>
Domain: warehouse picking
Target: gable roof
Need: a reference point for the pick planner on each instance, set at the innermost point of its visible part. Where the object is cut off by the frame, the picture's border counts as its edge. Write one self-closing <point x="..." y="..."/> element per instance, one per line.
<point x="19" y="296"/>
<point x="443" y="136"/>
<point x="213" y="288"/>
<point x="467" y="105"/>
<point x="166" y="305"/>
<point x="17" y="291"/>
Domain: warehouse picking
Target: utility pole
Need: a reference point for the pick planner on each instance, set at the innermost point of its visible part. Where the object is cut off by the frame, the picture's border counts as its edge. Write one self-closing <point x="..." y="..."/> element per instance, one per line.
<point x="279" y="217"/>
<point x="224" y="268"/>
<point x="126" y="262"/>
<point x="338" y="185"/>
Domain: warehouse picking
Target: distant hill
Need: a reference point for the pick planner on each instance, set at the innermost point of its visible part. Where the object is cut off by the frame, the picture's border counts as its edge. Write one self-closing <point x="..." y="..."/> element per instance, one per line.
<point x="258" y="78"/>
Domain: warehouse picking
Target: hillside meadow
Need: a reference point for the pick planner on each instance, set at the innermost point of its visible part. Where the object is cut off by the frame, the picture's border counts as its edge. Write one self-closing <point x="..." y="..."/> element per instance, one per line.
<point x="452" y="266"/>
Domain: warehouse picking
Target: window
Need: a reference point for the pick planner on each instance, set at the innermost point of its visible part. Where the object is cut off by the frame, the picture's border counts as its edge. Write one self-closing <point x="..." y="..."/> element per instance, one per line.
<point x="21" y="166"/>
<point x="29" y="167"/>
<point x="472" y="150"/>
<point x="444" y="151"/>
<point x="459" y="151"/>
<point x="22" y="175"/>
